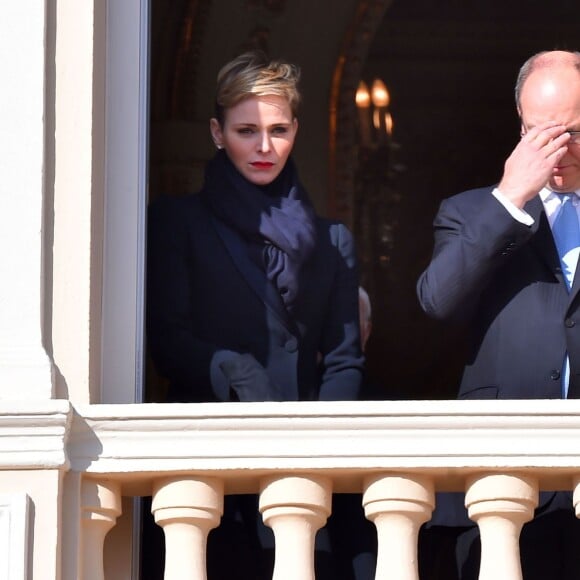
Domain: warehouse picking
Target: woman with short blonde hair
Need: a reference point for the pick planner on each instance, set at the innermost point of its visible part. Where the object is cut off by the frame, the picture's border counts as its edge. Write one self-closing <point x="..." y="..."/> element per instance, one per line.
<point x="251" y="295"/>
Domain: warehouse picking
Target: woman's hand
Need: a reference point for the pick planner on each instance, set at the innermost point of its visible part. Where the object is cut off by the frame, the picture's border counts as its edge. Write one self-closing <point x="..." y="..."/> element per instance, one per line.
<point x="249" y="379"/>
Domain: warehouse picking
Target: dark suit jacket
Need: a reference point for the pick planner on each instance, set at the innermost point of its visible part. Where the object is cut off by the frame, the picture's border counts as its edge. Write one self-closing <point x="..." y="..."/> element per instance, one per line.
<point x="504" y="280"/>
<point x="207" y="297"/>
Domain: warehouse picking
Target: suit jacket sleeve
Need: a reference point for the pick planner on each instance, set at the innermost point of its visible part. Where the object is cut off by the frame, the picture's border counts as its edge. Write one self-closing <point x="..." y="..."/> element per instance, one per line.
<point x="342" y="360"/>
<point x="474" y="236"/>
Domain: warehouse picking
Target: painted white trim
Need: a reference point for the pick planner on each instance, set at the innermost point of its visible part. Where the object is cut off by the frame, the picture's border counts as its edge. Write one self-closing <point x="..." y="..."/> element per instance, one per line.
<point x="24" y="365"/>
<point x="254" y="438"/>
<point x="14" y="536"/>
<point x="33" y="435"/>
<point x="126" y="168"/>
<point x="125" y="200"/>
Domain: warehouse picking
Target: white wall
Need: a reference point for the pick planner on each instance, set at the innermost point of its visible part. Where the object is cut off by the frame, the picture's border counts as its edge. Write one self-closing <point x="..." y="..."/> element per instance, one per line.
<point x="25" y="370"/>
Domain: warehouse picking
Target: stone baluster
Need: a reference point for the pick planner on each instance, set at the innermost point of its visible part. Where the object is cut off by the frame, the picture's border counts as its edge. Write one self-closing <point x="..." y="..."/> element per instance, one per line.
<point x="398" y="505"/>
<point x="101" y="505"/>
<point x="295" y="507"/>
<point x="187" y="508"/>
<point x="501" y="504"/>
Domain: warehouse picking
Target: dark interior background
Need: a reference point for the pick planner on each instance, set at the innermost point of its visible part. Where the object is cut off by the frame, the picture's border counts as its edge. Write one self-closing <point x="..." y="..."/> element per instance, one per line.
<point x="450" y="67"/>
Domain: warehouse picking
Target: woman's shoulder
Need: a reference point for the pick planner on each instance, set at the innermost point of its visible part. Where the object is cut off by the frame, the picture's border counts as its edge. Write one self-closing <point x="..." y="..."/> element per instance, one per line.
<point x="172" y="201"/>
<point x="175" y="207"/>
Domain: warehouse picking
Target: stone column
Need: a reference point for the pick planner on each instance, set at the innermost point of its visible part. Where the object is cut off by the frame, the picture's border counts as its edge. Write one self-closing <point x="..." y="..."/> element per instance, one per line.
<point x="501" y="504"/>
<point x="295" y="507"/>
<point x="25" y="369"/>
<point x="187" y="508"/>
<point x="100" y="505"/>
<point x="398" y="505"/>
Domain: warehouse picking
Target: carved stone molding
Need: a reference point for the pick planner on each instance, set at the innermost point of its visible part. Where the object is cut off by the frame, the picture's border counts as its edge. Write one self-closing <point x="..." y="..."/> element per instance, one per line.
<point x="33" y="434"/>
<point x="14" y="536"/>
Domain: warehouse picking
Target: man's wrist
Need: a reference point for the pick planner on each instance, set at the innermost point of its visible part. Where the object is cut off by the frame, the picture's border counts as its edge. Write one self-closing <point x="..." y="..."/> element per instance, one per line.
<point x="516" y="212"/>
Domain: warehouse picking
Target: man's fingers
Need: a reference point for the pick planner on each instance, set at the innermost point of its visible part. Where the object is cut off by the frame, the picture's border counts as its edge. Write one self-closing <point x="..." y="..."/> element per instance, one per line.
<point x="544" y="133"/>
<point x="556" y="155"/>
<point x="556" y="147"/>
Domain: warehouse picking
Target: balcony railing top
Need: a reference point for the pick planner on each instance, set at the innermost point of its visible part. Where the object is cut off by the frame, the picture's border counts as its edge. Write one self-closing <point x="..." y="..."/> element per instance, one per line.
<point x="243" y="441"/>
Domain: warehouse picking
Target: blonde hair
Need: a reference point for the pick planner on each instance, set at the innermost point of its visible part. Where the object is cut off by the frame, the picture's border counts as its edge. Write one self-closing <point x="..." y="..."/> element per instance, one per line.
<point x="253" y="74"/>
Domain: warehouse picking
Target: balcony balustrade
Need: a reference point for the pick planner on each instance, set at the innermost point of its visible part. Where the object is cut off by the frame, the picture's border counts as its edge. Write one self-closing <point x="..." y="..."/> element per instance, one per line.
<point x="397" y="454"/>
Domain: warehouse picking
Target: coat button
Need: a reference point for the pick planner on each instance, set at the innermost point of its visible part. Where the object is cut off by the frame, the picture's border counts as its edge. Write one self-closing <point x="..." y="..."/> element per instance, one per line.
<point x="291" y="345"/>
<point x="569" y="322"/>
<point x="555" y="375"/>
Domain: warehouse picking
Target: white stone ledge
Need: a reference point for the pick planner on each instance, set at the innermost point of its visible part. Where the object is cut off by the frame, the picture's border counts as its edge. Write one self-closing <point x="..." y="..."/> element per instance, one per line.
<point x="443" y="437"/>
<point x="33" y="434"/>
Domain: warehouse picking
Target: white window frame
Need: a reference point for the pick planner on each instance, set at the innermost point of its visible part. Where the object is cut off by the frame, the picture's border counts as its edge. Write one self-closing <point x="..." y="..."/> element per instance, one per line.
<point x="126" y="182"/>
<point x="126" y="188"/>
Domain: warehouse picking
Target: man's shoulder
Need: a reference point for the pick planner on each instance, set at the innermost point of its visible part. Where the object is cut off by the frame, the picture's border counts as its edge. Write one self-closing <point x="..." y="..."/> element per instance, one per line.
<point x="472" y="200"/>
<point x="472" y="195"/>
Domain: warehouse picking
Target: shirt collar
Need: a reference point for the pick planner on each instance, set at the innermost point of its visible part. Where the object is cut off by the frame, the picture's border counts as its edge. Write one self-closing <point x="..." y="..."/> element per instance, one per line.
<point x="546" y="194"/>
<point x="552" y="203"/>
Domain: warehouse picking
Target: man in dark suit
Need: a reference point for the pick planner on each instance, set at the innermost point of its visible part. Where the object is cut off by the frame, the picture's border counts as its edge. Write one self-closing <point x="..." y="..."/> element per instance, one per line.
<point x="497" y="268"/>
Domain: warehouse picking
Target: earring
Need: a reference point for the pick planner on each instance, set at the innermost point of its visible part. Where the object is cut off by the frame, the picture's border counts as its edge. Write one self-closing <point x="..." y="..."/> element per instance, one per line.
<point x="219" y="146"/>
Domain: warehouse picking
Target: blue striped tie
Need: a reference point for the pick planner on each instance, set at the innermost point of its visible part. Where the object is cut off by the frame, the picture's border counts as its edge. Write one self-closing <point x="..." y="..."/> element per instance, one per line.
<point x="566" y="232"/>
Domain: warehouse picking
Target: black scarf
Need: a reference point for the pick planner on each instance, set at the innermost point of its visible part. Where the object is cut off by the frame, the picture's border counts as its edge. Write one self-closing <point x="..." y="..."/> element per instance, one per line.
<point x="279" y="216"/>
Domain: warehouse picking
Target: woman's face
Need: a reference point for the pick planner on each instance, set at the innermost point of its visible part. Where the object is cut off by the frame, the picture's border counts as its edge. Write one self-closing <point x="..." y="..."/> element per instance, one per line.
<point x="258" y="135"/>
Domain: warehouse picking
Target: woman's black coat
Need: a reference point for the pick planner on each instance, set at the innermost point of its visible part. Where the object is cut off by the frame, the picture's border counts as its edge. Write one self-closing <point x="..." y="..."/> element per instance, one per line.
<point x="209" y="301"/>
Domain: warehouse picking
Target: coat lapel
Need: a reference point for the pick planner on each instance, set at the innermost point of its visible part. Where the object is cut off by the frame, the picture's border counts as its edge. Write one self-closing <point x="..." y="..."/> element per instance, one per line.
<point x="576" y="283"/>
<point x="250" y="271"/>
<point x="542" y="240"/>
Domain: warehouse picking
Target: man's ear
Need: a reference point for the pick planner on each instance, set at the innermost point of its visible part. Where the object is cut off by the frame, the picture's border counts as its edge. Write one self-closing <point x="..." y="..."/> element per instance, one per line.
<point x="216" y="132"/>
